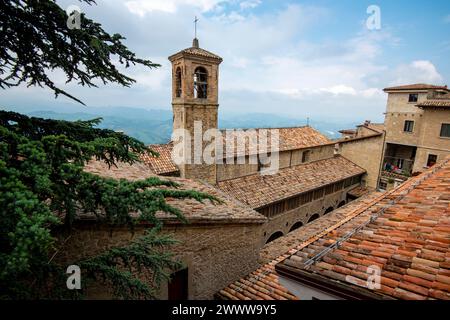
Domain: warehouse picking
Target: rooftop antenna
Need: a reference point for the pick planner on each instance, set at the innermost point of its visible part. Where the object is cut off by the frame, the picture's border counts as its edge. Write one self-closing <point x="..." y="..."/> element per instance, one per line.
<point x="195" y="41"/>
<point x="307" y="121"/>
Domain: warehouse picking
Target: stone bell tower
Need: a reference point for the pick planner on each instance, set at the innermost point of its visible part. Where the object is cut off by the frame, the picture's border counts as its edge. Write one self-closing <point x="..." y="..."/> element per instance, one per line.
<point x="195" y="84"/>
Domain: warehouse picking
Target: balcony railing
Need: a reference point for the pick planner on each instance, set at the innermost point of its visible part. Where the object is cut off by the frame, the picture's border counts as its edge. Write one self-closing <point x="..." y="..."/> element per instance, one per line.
<point x="398" y="165"/>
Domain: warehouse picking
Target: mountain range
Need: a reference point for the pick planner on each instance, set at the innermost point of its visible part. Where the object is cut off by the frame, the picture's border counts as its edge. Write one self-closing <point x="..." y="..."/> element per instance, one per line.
<point x="155" y="125"/>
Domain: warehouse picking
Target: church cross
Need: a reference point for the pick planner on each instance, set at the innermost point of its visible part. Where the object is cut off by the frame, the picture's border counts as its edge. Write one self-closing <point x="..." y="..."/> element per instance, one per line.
<point x="195" y="25"/>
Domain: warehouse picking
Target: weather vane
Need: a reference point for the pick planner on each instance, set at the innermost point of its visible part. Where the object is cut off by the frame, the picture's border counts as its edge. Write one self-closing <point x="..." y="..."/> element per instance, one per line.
<point x="195" y="25"/>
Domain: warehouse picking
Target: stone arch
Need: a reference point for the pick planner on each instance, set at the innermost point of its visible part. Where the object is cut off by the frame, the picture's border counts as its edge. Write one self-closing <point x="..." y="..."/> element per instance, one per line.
<point x="296" y="226"/>
<point x="341" y="204"/>
<point x="200" y="83"/>
<point x="178" y="89"/>
<point x="313" y="217"/>
<point x="328" y="210"/>
<point x="274" y="236"/>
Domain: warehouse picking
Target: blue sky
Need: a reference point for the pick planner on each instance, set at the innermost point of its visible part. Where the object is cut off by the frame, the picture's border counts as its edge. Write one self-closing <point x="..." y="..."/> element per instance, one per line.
<point x="312" y="59"/>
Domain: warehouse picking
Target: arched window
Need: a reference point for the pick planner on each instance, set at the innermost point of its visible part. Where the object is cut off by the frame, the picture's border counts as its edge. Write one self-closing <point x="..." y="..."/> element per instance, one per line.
<point x="178" y="82"/>
<point x="200" y="83"/>
<point x="296" y="226"/>
<point x="314" y="217"/>
<point x="275" y="236"/>
<point x="330" y="209"/>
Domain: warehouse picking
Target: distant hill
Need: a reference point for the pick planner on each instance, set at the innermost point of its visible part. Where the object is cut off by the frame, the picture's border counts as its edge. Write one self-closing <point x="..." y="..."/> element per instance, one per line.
<point x="155" y="125"/>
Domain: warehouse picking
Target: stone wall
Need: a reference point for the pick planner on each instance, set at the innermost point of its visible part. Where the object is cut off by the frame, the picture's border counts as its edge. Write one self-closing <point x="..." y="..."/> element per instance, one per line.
<point x="421" y="160"/>
<point x="367" y="153"/>
<point x="286" y="159"/>
<point x="215" y="254"/>
<point x="431" y="129"/>
<point x="285" y="221"/>
<point x="399" y="110"/>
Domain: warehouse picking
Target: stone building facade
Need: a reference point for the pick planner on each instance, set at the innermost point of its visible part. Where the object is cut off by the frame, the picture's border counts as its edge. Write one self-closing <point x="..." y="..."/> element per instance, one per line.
<point x="195" y="74"/>
<point x="417" y="125"/>
<point x="218" y="244"/>
<point x="300" y="152"/>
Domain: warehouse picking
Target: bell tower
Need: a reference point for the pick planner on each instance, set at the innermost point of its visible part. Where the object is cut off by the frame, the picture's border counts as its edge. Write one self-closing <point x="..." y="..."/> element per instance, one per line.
<point x="195" y="88"/>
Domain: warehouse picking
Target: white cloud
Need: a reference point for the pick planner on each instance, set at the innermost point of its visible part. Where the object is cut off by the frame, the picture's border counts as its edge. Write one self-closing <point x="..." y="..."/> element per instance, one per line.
<point x="339" y="89"/>
<point x="420" y="71"/>
<point x="142" y="7"/>
<point x="249" y="4"/>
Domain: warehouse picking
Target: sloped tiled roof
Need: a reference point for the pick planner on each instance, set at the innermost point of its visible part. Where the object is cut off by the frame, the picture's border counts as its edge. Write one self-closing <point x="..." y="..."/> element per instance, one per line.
<point x="229" y="211"/>
<point x="195" y="50"/>
<point x="438" y="103"/>
<point x="259" y="190"/>
<point x="379" y="127"/>
<point x="417" y="86"/>
<point x="263" y="284"/>
<point x="162" y="164"/>
<point x="406" y="233"/>
<point x="289" y="139"/>
<point x="409" y="240"/>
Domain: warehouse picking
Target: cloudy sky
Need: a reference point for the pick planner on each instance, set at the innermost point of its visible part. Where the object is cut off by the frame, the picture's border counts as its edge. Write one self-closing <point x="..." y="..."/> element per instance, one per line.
<point x="301" y="58"/>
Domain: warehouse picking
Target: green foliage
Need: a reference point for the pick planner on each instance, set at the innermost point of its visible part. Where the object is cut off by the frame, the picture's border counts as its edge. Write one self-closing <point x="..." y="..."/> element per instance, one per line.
<point x="43" y="186"/>
<point x="35" y="39"/>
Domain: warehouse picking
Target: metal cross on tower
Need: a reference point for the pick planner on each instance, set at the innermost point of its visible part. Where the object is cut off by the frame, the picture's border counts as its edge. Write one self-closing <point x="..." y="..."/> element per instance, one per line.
<point x="195" y="25"/>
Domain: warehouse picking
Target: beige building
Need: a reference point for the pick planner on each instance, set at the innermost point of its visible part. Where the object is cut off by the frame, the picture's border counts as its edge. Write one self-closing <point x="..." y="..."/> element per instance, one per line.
<point x="314" y="175"/>
<point x="219" y="243"/>
<point x="417" y="125"/>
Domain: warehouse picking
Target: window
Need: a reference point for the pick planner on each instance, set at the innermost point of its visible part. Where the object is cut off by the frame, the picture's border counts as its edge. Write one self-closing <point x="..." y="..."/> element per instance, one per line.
<point x="400" y="163"/>
<point x="329" y="189"/>
<point x="445" y="130"/>
<point x="200" y="83"/>
<point x="293" y="203"/>
<point x="413" y="97"/>
<point x="306" y="197"/>
<point x="338" y="186"/>
<point x="356" y="180"/>
<point x="305" y="156"/>
<point x="432" y="159"/>
<point x="409" y="126"/>
<point x="318" y="194"/>
<point x="178" y="285"/>
<point x="383" y="185"/>
<point x="347" y="182"/>
<point x="178" y="82"/>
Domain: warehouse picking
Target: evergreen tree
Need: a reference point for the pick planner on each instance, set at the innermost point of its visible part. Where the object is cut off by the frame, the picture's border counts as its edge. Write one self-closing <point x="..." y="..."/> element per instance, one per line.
<point x="42" y="182"/>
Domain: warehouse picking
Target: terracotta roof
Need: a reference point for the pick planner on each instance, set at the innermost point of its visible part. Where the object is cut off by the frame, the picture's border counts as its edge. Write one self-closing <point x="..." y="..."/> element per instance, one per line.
<point x="378" y="127"/>
<point x="406" y="233"/>
<point x="358" y="191"/>
<point x="264" y="282"/>
<point x="347" y="131"/>
<point x="417" y="86"/>
<point x="163" y="163"/>
<point x="195" y="51"/>
<point x="230" y="211"/>
<point x="289" y="139"/>
<point x="258" y="190"/>
<point x="440" y="103"/>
